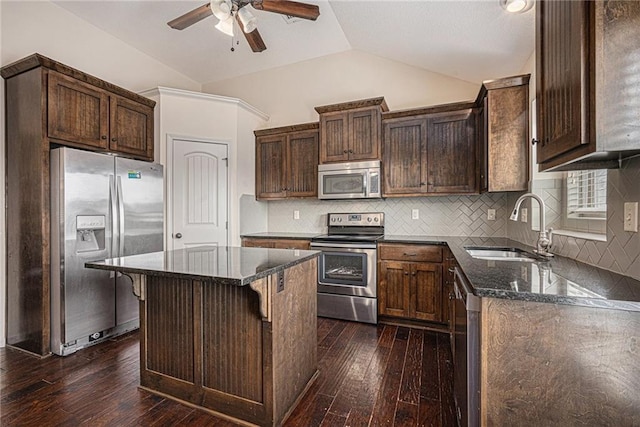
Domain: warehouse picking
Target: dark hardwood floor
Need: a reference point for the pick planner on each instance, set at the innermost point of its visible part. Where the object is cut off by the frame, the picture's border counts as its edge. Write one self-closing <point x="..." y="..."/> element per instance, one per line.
<point x="369" y="375"/>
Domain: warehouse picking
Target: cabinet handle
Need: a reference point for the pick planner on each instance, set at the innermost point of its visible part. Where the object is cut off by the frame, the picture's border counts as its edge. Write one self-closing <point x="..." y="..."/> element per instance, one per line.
<point x="406" y="273"/>
<point x="451" y="270"/>
<point x="114" y="139"/>
<point x="351" y="151"/>
<point x="413" y="274"/>
<point x="422" y="184"/>
<point x="345" y="151"/>
<point x="103" y="137"/>
<point x="451" y="296"/>
<point x="406" y="254"/>
<point x="534" y="141"/>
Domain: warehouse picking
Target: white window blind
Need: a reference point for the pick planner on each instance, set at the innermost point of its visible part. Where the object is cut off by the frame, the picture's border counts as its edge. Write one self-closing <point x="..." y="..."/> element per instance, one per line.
<point x="587" y="194"/>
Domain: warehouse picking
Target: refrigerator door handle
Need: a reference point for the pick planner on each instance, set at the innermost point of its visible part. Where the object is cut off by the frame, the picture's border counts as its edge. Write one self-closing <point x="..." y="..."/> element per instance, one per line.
<point x="120" y="218"/>
<point x="113" y="250"/>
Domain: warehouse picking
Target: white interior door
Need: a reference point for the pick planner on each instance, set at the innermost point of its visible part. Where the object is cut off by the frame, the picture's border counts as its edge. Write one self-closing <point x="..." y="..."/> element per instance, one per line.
<point x="198" y="194"/>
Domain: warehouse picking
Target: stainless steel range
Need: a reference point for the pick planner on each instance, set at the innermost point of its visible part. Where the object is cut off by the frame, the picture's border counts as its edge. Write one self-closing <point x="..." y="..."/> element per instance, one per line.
<point x="347" y="287"/>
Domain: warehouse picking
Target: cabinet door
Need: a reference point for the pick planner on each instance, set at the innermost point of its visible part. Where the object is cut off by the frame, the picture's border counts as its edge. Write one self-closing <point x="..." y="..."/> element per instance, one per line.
<point x="302" y="164"/>
<point x="393" y="289"/>
<point x="77" y="112"/>
<point x="405" y="145"/>
<point x="364" y="135"/>
<point x="270" y="171"/>
<point x="562" y="53"/>
<point x="451" y="154"/>
<point x="334" y="136"/>
<point x="426" y="292"/>
<point x="131" y="128"/>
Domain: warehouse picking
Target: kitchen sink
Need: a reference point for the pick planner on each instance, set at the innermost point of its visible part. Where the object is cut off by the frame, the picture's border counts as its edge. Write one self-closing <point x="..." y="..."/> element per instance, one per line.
<point x="501" y="254"/>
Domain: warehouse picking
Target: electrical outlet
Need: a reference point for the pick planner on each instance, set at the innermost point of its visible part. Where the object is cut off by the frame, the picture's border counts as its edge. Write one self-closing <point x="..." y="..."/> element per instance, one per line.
<point x="491" y="215"/>
<point x="296" y="214"/>
<point x="415" y="213"/>
<point x="524" y="215"/>
<point x="631" y="217"/>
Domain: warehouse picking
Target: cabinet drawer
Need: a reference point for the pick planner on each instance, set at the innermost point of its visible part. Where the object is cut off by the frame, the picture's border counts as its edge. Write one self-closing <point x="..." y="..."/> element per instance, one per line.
<point x="418" y="253"/>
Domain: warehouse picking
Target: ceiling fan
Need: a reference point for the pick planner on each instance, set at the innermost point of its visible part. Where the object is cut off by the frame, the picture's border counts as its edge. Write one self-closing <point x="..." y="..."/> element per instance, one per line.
<point x="226" y="10"/>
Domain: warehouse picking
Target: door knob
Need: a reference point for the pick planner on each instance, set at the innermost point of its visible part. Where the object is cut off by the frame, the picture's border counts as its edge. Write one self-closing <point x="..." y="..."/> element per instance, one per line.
<point x="178" y="236"/>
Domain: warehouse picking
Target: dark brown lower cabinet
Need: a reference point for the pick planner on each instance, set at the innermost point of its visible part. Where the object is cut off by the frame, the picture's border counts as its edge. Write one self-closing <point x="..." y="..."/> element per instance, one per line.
<point x="409" y="289"/>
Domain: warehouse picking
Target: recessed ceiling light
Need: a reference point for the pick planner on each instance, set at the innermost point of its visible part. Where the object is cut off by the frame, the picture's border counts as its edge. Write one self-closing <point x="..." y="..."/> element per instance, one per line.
<point x="516" y="6"/>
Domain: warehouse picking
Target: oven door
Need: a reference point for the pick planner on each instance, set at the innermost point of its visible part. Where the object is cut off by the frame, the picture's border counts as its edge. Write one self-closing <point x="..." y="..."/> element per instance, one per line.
<point x="346" y="268"/>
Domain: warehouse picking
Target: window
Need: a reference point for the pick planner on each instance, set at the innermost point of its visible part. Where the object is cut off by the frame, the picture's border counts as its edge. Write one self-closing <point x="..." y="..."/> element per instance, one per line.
<point x="587" y="194"/>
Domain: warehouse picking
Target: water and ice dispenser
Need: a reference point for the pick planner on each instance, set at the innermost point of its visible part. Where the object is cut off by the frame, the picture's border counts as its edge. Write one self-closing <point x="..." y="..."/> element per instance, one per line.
<point x="90" y="233"/>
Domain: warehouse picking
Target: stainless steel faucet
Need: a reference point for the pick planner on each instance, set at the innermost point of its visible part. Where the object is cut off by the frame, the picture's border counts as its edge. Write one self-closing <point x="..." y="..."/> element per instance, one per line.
<point x="544" y="238"/>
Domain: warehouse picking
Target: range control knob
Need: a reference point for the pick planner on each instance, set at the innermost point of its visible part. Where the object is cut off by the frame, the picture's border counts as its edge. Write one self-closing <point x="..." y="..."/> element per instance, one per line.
<point x="333" y="220"/>
<point x="369" y="219"/>
<point x="376" y="219"/>
<point x="339" y="219"/>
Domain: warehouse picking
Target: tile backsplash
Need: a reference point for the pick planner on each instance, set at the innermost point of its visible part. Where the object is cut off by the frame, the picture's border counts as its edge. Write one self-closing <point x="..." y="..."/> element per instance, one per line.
<point x="444" y="216"/>
<point x="621" y="251"/>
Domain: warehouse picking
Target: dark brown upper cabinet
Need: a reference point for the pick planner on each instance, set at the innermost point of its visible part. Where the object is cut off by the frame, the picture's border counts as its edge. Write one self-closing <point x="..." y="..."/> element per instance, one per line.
<point x="287" y="162"/>
<point x="50" y="103"/>
<point x="503" y="134"/>
<point x="351" y="131"/>
<point x="86" y="116"/>
<point x="430" y="151"/>
<point x="587" y="109"/>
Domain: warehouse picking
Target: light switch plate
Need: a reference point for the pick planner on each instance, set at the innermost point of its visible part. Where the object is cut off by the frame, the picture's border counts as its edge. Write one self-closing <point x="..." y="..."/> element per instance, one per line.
<point x="524" y="215"/>
<point x="296" y="214"/>
<point x="415" y="213"/>
<point x="631" y="217"/>
<point x="491" y="214"/>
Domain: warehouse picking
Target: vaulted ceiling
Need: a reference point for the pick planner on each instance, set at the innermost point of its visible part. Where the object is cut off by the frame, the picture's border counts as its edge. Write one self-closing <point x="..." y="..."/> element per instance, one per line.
<point x="472" y="40"/>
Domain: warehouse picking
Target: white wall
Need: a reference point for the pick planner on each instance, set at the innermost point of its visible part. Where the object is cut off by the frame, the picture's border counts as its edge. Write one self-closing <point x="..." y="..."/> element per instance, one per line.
<point x="187" y="114"/>
<point x="289" y="94"/>
<point x="28" y="27"/>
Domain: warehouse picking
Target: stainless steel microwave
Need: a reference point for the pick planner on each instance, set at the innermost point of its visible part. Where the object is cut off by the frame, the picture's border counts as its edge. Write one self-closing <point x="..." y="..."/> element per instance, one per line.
<point x="353" y="180"/>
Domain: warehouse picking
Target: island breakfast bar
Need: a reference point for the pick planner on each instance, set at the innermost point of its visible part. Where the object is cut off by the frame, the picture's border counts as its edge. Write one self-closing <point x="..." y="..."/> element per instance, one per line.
<point x="228" y="329"/>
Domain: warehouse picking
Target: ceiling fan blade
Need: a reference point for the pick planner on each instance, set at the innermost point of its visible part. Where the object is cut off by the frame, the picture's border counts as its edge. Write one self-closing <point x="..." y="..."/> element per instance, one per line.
<point x="190" y="18"/>
<point x="286" y="7"/>
<point x="253" y="38"/>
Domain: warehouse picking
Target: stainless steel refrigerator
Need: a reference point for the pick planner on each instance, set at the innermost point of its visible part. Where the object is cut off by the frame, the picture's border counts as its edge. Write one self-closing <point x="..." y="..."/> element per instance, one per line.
<point x="101" y="207"/>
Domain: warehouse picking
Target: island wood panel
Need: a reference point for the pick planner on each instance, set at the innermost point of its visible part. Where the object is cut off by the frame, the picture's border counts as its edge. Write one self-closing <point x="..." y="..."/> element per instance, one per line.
<point x="552" y="364"/>
<point x="27" y="214"/>
<point x="232" y="366"/>
<point x="294" y="335"/>
<point x="170" y="328"/>
<point x="244" y="366"/>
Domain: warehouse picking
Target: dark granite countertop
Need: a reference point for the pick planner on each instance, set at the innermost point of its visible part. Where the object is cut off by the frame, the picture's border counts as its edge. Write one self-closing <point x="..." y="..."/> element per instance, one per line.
<point x="557" y="280"/>
<point x="281" y="235"/>
<point x="229" y="265"/>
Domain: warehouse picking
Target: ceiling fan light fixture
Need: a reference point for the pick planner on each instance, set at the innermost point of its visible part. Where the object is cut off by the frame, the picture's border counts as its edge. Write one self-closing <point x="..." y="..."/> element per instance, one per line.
<point x="516" y="6"/>
<point x="226" y="26"/>
<point x="249" y="21"/>
<point x="221" y="9"/>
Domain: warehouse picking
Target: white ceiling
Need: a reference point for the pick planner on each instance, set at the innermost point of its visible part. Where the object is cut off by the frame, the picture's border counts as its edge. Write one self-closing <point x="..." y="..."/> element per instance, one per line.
<point x="473" y="40"/>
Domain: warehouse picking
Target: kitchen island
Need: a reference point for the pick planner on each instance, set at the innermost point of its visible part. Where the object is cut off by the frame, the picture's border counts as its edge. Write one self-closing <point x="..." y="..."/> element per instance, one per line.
<point x="227" y="329"/>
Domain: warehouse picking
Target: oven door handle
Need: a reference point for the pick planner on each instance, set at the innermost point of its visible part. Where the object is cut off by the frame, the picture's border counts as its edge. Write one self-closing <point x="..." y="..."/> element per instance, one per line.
<point x="343" y="245"/>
